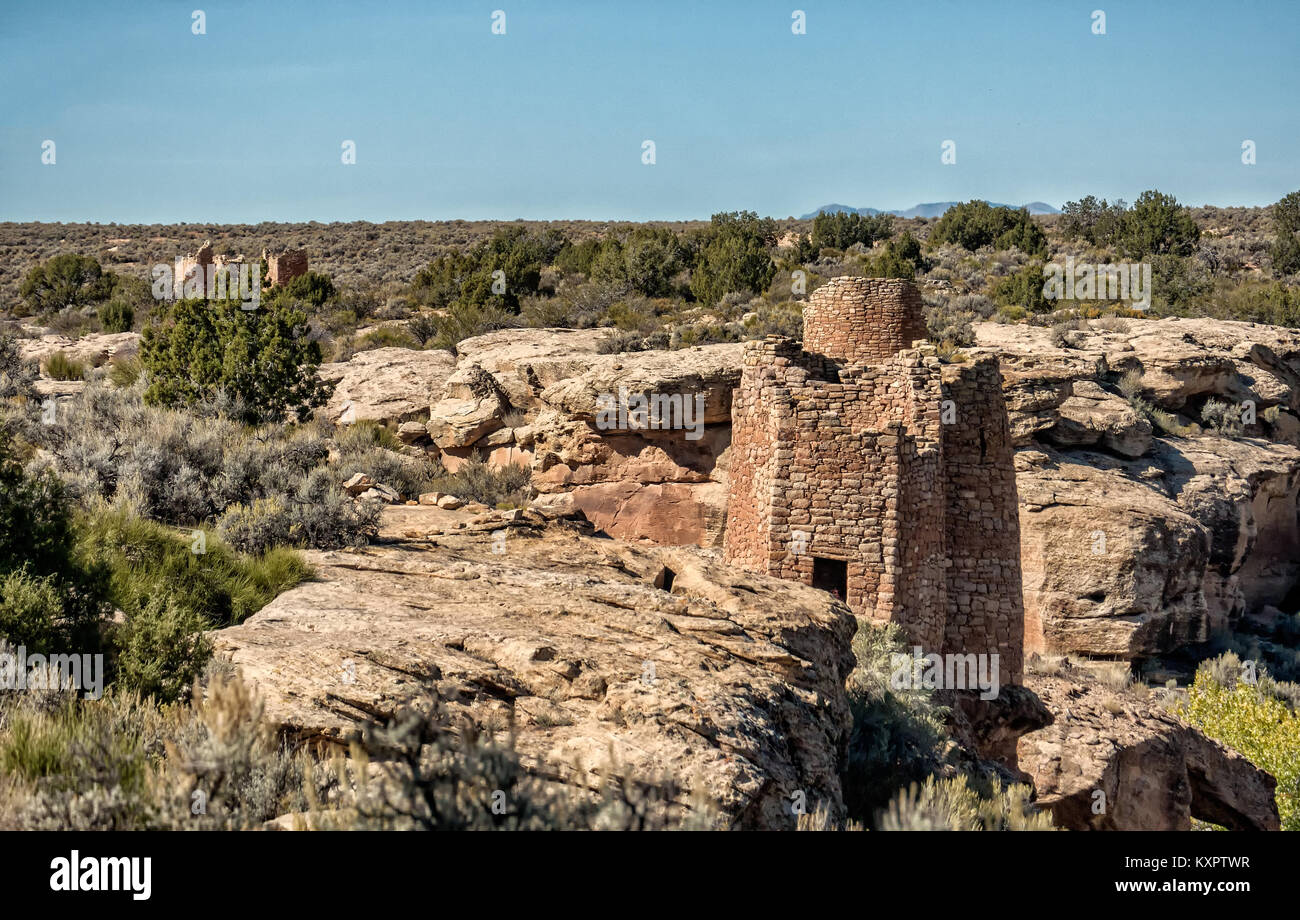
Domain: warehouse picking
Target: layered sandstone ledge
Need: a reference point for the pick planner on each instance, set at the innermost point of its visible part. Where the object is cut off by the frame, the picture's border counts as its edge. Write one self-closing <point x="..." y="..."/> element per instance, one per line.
<point x="605" y="657"/>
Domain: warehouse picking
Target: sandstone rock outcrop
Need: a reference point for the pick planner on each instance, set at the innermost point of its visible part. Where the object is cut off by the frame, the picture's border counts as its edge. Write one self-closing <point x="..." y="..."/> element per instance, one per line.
<point x="663" y="658"/>
<point x="1198" y="531"/>
<point x="387" y="384"/>
<point x="473" y="407"/>
<point x="1112" y="761"/>
<point x="93" y="350"/>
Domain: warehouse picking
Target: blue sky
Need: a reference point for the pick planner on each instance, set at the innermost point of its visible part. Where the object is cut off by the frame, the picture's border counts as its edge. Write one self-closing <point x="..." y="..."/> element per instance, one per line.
<point x="244" y="124"/>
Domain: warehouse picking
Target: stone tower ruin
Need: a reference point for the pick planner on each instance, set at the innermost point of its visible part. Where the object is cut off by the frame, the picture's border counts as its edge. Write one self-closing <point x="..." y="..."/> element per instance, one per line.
<point x="863" y="466"/>
<point x="283" y="265"/>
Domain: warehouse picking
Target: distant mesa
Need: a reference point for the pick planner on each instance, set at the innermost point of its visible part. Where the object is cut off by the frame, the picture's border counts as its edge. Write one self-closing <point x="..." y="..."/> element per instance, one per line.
<point x="927" y="209"/>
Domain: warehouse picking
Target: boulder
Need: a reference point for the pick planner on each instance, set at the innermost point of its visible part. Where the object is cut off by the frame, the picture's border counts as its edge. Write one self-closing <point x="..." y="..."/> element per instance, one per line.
<point x="357" y="483"/>
<point x="473" y="407"/>
<point x="732" y="683"/>
<point x="386" y="384"/>
<point x="1093" y="416"/>
<point x="412" y="432"/>
<point x="1113" y="761"/>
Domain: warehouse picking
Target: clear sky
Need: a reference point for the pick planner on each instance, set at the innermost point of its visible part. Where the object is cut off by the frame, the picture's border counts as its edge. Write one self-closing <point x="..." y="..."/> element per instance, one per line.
<point x="245" y="123"/>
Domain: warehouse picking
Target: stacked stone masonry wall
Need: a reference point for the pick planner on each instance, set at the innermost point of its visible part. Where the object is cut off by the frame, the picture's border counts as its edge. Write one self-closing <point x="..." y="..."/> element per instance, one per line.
<point x="840" y="451"/>
<point x="863" y="320"/>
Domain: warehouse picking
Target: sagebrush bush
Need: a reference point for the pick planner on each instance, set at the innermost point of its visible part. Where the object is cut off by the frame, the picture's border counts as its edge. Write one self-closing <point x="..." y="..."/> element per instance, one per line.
<point x="507" y="486"/>
<point x="951" y="805"/>
<point x="317" y="513"/>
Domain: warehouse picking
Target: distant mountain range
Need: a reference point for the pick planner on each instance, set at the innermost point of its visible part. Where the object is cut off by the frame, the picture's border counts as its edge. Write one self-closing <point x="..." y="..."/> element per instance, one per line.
<point x="928" y="209"/>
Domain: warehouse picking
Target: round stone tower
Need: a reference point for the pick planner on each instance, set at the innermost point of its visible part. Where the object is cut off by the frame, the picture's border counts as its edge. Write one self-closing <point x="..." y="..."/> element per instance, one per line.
<point x="863" y="320"/>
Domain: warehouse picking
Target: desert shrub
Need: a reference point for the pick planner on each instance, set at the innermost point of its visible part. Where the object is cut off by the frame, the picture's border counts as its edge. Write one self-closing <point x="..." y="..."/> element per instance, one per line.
<point x="732" y="255"/>
<point x="1097" y="222"/>
<point x="952" y="805"/>
<point x="1023" y="290"/>
<point x="1157" y="225"/>
<point x="1064" y="334"/>
<point x="618" y="342"/>
<point x="67" y="280"/>
<point x="645" y="258"/>
<point x="841" y="229"/>
<point x="125" y="764"/>
<point x="146" y="561"/>
<point x="1177" y="284"/>
<point x="947" y="325"/>
<point x="58" y="366"/>
<point x="423" y="327"/>
<point x="975" y="223"/>
<point x="369" y="448"/>
<point x="387" y="337"/>
<point x="899" y="258"/>
<point x="898" y="736"/>
<point x="162" y="649"/>
<point x="1259" y="725"/>
<point x="508" y="486"/>
<point x="317" y="513"/>
<point x="365" y="434"/>
<point x="1285" y="254"/>
<point x="16" y="375"/>
<point x="116" y="316"/>
<point x="310" y="287"/>
<point x="468" y="280"/>
<point x="254" y="357"/>
<point x="124" y="372"/>
<point x="31" y="609"/>
<point x="464" y="321"/>
<point x="783" y="318"/>
<point x="1111" y="324"/>
<point x="1224" y="418"/>
<point x="49" y="598"/>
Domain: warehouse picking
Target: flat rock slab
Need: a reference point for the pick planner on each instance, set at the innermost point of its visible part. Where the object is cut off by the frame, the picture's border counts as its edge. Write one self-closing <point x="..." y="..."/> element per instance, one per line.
<point x="731" y="683"/>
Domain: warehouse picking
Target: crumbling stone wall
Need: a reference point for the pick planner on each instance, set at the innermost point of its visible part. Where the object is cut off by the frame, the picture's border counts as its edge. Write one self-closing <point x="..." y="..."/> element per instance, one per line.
<point x="986" y="611"/>
<point x="841" y="454"/>
<point x="285" y="265"/>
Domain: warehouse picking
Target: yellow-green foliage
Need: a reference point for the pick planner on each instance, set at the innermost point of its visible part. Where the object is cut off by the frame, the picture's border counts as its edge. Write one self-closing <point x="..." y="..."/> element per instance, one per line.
<point x="1258" y="725"/>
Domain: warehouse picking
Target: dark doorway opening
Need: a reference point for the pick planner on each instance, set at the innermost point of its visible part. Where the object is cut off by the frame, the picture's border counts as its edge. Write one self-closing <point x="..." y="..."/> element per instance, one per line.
<point x="664" y="580"/>
<point x="831" y="575"/>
